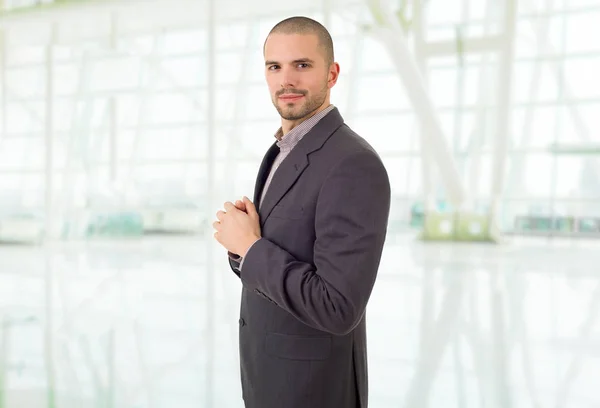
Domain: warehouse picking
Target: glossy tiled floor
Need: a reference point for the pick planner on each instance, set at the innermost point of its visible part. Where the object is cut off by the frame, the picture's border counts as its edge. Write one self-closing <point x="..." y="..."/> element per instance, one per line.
<point x="153" y="323"/>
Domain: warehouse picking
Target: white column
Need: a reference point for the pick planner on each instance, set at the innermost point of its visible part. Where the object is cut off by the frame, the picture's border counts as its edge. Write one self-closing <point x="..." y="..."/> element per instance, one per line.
<point x="327" y="14"/>
<point x="49" y="355"/>
<point x="504" y="106"/>
<point x="211" y="203"/>
<point x="427" y="162"/>
<point x="3" y="52"/>
<point x="48" y="134"/>
<point x="113" y="126"/>
<point x="478" y="136"/>
<point x="392" y="36"/>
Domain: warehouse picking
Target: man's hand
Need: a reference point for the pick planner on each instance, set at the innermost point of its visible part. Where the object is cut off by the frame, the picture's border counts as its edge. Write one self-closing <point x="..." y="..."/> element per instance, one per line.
<point x="238" y="226"/>
<point x="240" y="205"/>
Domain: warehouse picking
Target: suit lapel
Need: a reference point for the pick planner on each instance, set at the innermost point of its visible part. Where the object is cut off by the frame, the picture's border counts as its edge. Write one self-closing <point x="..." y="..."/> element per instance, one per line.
<point x="294" y="164"/>
<point x="286" y="175"/>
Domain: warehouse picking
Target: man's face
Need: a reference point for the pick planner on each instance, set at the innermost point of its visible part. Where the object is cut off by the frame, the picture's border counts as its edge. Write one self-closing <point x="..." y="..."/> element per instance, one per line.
<point x="297" y="74"/>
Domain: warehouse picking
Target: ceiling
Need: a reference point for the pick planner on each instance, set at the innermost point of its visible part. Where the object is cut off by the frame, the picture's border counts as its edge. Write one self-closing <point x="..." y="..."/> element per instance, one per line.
<point x="79" y="19"/>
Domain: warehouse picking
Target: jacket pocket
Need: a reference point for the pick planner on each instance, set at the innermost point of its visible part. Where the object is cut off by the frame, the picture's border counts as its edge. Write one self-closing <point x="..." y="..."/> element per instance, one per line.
<point x="296" y="347"/>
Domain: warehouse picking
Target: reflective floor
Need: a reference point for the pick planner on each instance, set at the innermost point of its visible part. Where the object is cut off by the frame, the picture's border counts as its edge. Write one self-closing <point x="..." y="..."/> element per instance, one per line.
<point x="153" y="323"/>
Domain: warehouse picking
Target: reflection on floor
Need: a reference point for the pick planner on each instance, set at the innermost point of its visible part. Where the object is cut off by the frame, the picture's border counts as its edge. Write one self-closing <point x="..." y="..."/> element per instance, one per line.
<point x="153" y="323"/>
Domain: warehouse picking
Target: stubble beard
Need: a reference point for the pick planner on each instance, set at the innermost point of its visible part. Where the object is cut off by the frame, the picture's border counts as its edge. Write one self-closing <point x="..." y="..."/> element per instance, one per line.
<point x="291" y="111"/>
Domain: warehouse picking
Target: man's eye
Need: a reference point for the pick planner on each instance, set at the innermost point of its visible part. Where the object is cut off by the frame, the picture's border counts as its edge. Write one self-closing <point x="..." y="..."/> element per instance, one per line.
<point x="272" y="67"/>
<point x="303" y="65"/>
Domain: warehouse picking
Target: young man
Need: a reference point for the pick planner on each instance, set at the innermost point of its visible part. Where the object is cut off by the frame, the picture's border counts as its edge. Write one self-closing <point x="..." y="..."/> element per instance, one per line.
<point x="307" y="248"/>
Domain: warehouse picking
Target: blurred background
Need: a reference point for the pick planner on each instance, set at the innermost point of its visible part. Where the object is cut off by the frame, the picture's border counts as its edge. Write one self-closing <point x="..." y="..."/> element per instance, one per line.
<point x="125" y="126"/>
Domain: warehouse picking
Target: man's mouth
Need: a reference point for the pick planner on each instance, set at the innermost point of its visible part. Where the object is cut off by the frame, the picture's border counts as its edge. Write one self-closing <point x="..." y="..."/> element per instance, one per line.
<point x="290" y="97"/>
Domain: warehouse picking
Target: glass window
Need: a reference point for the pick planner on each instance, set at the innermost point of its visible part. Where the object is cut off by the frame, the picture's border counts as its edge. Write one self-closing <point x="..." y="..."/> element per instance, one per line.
<point x="169" y="73"/>
<point x="114" y="74"/>
<point x="259" y="105"/>
<point x="442" y="87"/>
<point x="575" y="124"/>
<point x="235" y="35"/>
<point x="388" y="133"/>
<point x="166" y="143"/>
<point x="440" y="12"/>
<point x="569" y="176"/>
<point x="25" y="117"/>
<point x="405" y="175"/>
<point x="232" y="69"/>
<point x="535" y="176"/>
<point x="27" y="82"/>
<point x="534" y="126"/>
<point x="533" y="82"/>
<point x="21" y="153"/>
<point x="25" y="54"/>
<point x="380" y="93"/>
<point x="589" y="117"/>
<point x="184" y="41"/>
<point x="580" y="31"/>
<point x="67" y="78"/>
<point x="254" y="138"/>
<point x="172" y="108"/>
<point x="581" y="75"/>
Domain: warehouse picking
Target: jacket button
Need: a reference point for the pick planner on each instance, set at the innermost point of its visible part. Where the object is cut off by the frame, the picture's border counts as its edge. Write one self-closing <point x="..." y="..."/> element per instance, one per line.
<point x="242" y="322"/>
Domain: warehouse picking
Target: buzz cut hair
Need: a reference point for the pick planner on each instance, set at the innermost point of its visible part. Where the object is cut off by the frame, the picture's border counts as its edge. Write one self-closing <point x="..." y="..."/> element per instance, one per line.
<point x="305" y="25"/>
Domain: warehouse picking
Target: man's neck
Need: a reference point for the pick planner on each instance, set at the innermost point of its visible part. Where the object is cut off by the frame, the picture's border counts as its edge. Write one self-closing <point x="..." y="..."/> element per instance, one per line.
<point x="288" y="125"/>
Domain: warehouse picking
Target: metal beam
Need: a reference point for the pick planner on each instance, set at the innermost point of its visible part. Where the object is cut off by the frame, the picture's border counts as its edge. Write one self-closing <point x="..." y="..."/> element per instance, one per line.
<point x="468" y="45"/>
<point x="391" y="34"/>
<point x="576" y="149"/>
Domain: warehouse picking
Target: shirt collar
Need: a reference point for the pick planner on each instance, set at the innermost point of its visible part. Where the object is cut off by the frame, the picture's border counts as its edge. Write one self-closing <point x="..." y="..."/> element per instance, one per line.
<point x="290" y="139"/>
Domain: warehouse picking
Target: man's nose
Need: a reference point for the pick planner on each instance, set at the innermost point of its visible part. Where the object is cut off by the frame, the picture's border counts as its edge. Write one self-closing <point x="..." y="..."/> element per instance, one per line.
<point x="288" y="79"/>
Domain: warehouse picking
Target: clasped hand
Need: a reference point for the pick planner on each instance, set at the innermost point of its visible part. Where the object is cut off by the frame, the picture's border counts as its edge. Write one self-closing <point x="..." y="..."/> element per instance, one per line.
<point x="238" y="226"/>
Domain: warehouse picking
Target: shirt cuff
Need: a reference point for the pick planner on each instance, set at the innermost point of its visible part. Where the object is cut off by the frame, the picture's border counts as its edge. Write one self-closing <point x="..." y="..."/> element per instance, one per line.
<point x="241" y="261"/>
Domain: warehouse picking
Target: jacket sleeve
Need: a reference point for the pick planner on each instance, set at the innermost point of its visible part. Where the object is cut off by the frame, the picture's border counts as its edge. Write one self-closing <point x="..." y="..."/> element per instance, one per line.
<point x="330" y="294"/>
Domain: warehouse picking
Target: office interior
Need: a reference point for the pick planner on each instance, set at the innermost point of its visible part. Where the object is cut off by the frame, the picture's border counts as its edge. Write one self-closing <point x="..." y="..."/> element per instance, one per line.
<point x="126" y="124"/>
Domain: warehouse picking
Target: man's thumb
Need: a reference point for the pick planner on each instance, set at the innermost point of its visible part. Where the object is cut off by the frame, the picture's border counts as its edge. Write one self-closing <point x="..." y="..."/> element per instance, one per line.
<point x="249" y="205"/>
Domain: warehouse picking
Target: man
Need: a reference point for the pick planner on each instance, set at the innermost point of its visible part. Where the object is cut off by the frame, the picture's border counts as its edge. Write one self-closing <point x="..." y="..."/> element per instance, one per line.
<point x="307" y="248"/>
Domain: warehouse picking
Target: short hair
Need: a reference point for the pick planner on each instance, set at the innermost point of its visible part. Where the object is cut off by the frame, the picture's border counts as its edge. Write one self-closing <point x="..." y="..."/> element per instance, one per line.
<point x="305" y="25"/>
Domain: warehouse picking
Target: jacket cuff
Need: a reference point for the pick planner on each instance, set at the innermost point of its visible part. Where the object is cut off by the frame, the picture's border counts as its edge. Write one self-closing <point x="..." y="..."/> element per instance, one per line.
<point x="253" y="263"/>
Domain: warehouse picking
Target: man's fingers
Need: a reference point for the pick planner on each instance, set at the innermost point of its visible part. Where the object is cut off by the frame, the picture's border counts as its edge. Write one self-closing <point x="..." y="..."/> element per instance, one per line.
<point x="240" y="205"/>
<point x="229" y="206"/>
<point x="217" y="225"/>
<point x="220" y="215"/>
<point x="249" y="205"/>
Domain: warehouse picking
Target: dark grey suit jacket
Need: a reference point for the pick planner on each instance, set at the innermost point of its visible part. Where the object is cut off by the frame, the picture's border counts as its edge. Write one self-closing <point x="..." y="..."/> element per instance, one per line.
<point x="307" y="281"/>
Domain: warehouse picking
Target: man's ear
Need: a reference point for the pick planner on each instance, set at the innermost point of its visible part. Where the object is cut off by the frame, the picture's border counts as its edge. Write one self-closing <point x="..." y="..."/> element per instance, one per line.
<point x="334" y="74"/>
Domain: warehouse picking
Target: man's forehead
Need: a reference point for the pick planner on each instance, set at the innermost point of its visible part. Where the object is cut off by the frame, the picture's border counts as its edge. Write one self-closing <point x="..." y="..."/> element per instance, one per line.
<point x="292" y="46"/>
<point x="297" y="40"/>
